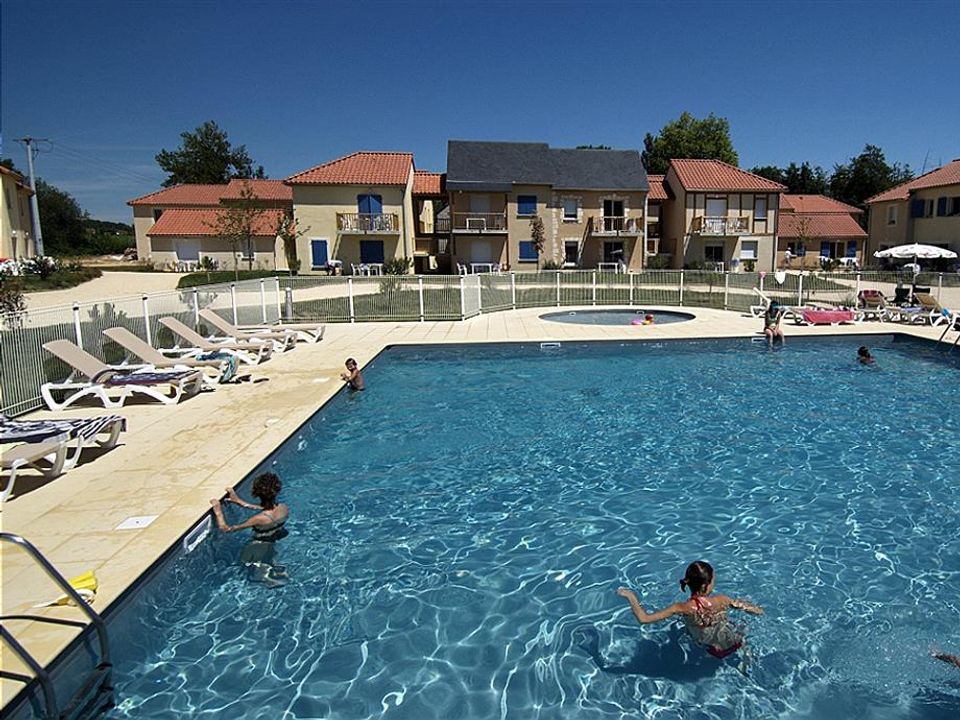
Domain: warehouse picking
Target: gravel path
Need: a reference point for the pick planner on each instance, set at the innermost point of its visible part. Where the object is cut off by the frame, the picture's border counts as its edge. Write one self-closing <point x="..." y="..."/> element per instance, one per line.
<point x="109" y="285"/>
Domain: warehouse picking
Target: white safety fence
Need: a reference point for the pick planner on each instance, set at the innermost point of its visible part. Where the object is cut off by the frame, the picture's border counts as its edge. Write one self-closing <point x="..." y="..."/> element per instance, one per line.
<point x="25" y="365"/>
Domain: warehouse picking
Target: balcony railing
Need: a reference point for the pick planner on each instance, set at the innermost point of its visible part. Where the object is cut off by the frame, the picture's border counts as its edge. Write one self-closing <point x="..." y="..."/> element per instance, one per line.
<point x="722" y="226"/>
<point x="439" y="226"/>
<point x="618" y="224"/>
<point x="479" y="222"/>
<point x="367" y="223"/>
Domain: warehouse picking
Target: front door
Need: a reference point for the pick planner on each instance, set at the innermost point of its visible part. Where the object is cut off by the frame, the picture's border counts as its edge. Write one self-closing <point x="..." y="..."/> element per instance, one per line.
<point x="371" y="251"/>
<point x="612" y="252"/>
<point x="370" y="208"/>
<point x="188" y="250"/>
<point x="480" y="251"/>
<point x="318" y="253"/>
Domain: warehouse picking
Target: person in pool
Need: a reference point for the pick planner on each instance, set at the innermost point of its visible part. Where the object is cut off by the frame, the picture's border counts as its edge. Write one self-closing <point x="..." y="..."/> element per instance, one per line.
<point x="771" y="323"/>
<point x="947" y="658"/>
<point x="704" y="614"/>
<point x="267" y="524"/>
<point x="864" y="356"/>
<point x="352" y="377"/>
<point x="648" y="319"/>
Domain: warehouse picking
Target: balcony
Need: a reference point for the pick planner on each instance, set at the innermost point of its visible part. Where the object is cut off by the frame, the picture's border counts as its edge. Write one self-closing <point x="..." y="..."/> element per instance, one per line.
<point x="361" y="223"/>
<point x="479" y="223"/>
<point x="439" y="226"/>
<point x="617" y="225"/>
<point x="721" y="226"/>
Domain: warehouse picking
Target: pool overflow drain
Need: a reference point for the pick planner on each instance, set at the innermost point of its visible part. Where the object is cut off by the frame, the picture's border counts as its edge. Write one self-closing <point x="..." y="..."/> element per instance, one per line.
<point x="196" y="535"/>
<point x="549" y="346"/>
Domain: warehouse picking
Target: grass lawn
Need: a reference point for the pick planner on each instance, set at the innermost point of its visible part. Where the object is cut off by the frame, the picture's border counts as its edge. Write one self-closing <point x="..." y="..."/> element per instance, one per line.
<point x="226" y="276"/>
<point x="59" y="280"/>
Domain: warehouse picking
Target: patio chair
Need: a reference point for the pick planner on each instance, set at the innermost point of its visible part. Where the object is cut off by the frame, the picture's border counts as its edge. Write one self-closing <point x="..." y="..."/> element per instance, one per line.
<point x="284" y="340"/>
<point x="931" y="310"/>
<point x="222" y="368"/>
<point x="873" y="304"/>
<point x="250" y="353"/>
<point x="47" y="457"/>
<point x="77" y="433"/>
<point x="89" y="377"/>
<point x="307" y="332"/>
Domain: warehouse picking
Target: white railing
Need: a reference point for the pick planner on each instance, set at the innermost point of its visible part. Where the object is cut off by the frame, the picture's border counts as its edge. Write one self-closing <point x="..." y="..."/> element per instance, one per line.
<point x="721" y="226"/>
<point x="479" y="222"/>
<point x="404" y="298"/>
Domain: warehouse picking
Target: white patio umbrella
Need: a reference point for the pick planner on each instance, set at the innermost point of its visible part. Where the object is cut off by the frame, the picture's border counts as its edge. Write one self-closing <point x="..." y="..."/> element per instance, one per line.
<point x="915" y="250"/>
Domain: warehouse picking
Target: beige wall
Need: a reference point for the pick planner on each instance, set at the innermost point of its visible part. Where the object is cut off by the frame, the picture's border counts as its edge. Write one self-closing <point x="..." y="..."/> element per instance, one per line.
<point x="315" y="208"/>
<point x="16" y="238"/>
<point x="936" y="230"/>
<point x="165" y="255"/>
<point x="142" y="222"/>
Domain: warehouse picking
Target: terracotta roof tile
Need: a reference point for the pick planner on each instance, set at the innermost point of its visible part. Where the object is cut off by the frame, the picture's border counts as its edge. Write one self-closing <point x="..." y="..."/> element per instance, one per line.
<point x="262" y="189"/>
<point x="705" y="175"/>
<point x="194" y="222"/>
<point x="426" y="182"/>
<point x="820" y="225"/>
<point x="949" y="174"/>
<point x="359" y="168"/>
<point x="658" y="187"/>
<point x="187" y="195"/>
<point x="815" y="204"/>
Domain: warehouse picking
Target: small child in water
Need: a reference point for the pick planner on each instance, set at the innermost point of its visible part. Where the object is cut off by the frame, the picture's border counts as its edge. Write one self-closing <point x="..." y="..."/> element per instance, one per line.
<point x="352" y="377"/>
<point x="704" y="615"/>
<point x="864" y="356"/>
<point x="648" y="319"/>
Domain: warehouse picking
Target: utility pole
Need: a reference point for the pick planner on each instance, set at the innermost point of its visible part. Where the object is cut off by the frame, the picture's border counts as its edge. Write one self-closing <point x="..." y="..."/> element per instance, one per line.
<point x="34" y="207"/>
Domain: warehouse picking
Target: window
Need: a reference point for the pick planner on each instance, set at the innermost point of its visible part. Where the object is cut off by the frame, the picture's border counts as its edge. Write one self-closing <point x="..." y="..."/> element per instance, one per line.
<point x="892" y="215"/>
<point x="157" y="212"/>
<point x="528" y="251"/>
<point x="749" y="249"/>
<point x="526" y="204"/>
<point x="369" y="204"/>
<point x="928" y="208"/>
<point x="571" y="252"/>
<point x="371" y="251"/>
<point x="713" y="253"/>
<point x="570" y="209"/>
<point x="916" y="208"/>
<point x="955" y="206"/>
<point x="613" y="251"/>
<point x="941" y="207"/>
<point x="318" y="253"/>
<point x="760" y="207"/>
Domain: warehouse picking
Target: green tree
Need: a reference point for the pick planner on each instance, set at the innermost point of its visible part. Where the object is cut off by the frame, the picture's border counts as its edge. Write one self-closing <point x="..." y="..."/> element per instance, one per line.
<point x="206" y="156"/>
<point x="594" y="147"/>
<point x="237" y="223"/>
<point x="61" y="219"/>
<point x="288" y="232"/>
<point x="770" y="172"/>
<point x="805" y="179"/>
<point x="8" y="164"/>
<point x="688" y="137"/>
<point x="866" y="175"/>
<point x="537" y="234"/>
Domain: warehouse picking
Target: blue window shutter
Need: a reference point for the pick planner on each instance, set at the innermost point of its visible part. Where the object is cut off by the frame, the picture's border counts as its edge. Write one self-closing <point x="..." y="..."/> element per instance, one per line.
<point x="369" y="204"/>
<point x="527" y="250"/>
<point x="318" y="252"/>
<point x="916" y="208"/>
<point x="824" y="249"/>
<point x="526" y="204"/>
<point x="941" y="207"/>
<point x="371" y="251"/>
<point x="851" y="248"/>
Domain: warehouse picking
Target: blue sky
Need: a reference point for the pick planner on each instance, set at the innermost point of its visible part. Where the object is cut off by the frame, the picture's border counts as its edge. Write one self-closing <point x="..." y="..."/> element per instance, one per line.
<point x="300" y="83"/>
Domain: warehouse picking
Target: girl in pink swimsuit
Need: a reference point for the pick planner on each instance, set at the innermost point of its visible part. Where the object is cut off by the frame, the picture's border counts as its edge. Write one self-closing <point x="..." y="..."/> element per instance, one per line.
<point x="704" y="614"/>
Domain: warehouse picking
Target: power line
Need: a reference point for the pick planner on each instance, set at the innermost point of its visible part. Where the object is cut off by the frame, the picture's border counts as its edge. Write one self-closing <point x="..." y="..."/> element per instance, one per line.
<point x="102" y="163"/>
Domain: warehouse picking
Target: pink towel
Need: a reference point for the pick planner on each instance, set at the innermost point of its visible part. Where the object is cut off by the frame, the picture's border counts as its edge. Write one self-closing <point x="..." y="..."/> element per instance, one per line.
<point x="827" y="317"/>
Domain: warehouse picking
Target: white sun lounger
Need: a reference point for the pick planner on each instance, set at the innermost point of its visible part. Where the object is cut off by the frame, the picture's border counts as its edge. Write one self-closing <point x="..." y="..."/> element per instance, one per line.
<point x="250" y="353"/>
<point x="89" y="377"/>
<point x="79" y="433"/>
<point x="282" y="341"/>
<point x="47" y="457"/>
<point x="307" y="332"/>
<point x="150" y="356"/>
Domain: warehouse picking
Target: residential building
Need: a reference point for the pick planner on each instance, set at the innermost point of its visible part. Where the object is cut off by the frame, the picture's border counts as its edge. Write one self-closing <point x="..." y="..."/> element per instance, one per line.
<point x="356" y="210"/>
<point x="592" y="204"/>
<point x="720" y="216"/>
<point x="657" y="200"/>
<point x="16" y="227"/>
<point x="177" y="226"/>
<point x="432" y="230"/>
<point x="815" y="229"/>
<point x="924" y="210"/>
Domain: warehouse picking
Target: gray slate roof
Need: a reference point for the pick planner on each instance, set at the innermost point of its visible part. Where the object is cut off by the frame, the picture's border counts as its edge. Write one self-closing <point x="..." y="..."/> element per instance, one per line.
<point x="497" y="166"/>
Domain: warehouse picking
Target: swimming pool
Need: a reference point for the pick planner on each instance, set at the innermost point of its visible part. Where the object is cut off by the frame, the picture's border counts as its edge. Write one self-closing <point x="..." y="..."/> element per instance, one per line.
<point x="615" y="317"/>
<point x="459" y="531"/>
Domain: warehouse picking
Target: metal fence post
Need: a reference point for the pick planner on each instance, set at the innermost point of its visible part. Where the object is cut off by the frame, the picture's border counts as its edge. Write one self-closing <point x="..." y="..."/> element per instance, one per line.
<point x="681" y="288"/>
<point x="420" y="288"/>
<point x="288" y="299"/>
<point x="558" y="288"/>
<point x="350" y="298"/>
<point x="631" y="288"/>
<point x="479" y="295"/>
<point x="233" y="301"/>
<point x="800" y="289"/>
<point x="726" y="289"/>
<point x="78" y="333"/>
<point x="146" y="318"/>
<point x="593" y="293"/>
<point x="939" y="285"/>
<point x="513" y="290"/>
<point x="196" y="307"/>
<point x="276" y="282"/>
<point x="463" y="301"/>
<point x="762" y="275"/>
<point x="263" y="301"/>
<point x="858" y="286"/>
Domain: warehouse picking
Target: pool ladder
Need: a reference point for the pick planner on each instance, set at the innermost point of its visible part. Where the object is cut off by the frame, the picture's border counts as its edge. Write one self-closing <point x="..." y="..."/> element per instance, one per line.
<point x="953" y="324"/>
<point x="96" y="693"/>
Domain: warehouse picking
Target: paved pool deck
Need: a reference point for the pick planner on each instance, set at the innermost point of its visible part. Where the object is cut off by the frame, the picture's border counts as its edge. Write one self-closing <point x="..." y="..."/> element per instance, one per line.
<point x="173" y="459"/>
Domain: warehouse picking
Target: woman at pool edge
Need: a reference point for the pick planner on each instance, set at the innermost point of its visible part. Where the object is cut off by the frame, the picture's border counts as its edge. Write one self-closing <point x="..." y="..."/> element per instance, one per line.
<point x="704" y="615"/>
<point x="267" y="525"/>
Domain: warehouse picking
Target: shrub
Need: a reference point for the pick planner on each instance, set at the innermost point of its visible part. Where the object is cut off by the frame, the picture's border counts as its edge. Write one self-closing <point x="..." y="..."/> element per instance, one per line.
<point x="42" y="265"/>
<point x="552" y="265"/>
<point x="658" y="262"/>
<point x="749" y="266"/>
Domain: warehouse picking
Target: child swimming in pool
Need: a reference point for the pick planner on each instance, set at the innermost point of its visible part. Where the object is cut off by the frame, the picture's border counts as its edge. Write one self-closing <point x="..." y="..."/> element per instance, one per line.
<point x="268" y="526"/>
<point x="704" y="614"/>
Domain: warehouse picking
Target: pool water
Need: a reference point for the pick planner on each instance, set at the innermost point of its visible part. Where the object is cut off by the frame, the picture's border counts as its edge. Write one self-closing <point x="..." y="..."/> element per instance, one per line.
<point x="615" y="317"/>
<point x="459" y="530"/>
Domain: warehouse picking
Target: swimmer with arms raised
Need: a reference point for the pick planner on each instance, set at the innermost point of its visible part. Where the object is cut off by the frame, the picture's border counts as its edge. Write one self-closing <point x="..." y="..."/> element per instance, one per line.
<point x="704" y="614"/>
